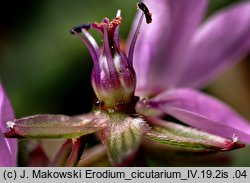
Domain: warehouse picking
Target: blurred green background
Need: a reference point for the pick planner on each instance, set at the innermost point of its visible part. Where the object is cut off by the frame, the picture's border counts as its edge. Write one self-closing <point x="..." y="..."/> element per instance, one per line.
<point x="45" y="69"/>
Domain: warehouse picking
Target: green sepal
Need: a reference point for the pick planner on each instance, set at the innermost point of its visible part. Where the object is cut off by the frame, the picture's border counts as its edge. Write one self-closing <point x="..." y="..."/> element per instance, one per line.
<point x="122" y="138"/>
<point x="55" y="126"/>
<point x="178" y="135"/>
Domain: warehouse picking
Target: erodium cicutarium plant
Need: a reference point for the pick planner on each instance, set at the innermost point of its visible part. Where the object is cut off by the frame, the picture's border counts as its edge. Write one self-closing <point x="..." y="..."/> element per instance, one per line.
<point x="137" y="90"/>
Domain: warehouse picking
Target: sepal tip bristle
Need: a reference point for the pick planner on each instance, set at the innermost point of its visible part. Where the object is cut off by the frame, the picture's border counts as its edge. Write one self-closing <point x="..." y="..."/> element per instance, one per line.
<point x="10" y="124"/>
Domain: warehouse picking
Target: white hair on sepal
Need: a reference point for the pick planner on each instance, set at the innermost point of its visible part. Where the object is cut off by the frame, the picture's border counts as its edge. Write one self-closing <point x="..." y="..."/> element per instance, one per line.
<point x="235" y="138"/>
<point x="10" y="124"/>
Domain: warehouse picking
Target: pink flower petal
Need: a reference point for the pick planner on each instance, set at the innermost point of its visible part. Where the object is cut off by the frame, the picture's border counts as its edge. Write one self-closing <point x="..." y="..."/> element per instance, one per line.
<point x="8" y="147"/>
<point x="161" y="45"/>
<point x="38" y="157"/>
<point x="203" y="112"/>
<point x="219" y="43"/>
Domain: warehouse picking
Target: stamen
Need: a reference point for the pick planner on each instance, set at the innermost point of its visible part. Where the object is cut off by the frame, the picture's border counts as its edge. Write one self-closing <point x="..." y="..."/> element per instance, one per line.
<point x="90" y="47"/>
<point x="132" y="44"/>
<point x="118" y="14"/>
<point x="91" y="40"/>
<point x="79" y="28"/>
<point x="148" y="17"/>
<point x="108" y="52"/>
<point x="116" y="33"/>
<point x="146" y="12"/>
<point x="84" y="29"/>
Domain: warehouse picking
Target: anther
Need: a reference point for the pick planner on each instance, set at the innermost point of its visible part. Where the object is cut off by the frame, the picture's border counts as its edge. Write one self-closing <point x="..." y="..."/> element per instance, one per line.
<point x="146" y="12"/>
<point x="78" y="29"/>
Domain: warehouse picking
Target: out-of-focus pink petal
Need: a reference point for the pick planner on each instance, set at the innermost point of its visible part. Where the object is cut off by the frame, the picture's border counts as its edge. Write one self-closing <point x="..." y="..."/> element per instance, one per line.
<point x="161" y="45"/>
<point x="77" y="150"/>
<point x="8" y="147"/>
<point x="62" y="154"/>
<point x="209" y="125"/>
<point x="38" y="157"/>
<point x="203" y="112"/>
<point x="218" y="44"/>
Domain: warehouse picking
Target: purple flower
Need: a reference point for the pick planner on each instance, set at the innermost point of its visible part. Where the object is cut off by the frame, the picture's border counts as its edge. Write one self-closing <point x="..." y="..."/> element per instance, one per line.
<point x="178" y="51"/>
<point x="8" y="147"/>
<point x="172" y="53"/>
<point x="113" y="75"/>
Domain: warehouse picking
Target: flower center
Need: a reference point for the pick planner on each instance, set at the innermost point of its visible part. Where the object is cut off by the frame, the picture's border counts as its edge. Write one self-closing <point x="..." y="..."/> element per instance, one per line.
<point x="113" y="75"/>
